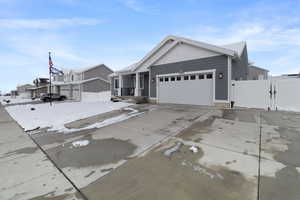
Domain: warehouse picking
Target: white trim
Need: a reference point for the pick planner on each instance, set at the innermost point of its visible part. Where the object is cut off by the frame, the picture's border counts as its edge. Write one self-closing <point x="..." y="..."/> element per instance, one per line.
<point x="221" y="101"/>
<point x="188" y="73"/>
<point x="177" y="40"/>
<point x="164" y="53"/>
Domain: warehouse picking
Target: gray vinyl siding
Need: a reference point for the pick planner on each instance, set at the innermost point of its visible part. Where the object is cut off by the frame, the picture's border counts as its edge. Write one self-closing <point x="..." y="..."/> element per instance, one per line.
<point x="240" y="67"/>
<point x="95" y="86"/>
<point x="220" y="63"/>
<point x="145" y="91"/>
<point x="100" y="71"/>
<point x="255" y="72"/>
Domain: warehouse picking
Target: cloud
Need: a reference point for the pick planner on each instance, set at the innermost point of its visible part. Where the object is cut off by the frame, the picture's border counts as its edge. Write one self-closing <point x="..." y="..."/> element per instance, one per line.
<point x="134" y="5"/>
<point x="272" y="35"/>
<point x="25" y="45"/>
<point x="46" y="23"/>
<point x="139" y="6"/>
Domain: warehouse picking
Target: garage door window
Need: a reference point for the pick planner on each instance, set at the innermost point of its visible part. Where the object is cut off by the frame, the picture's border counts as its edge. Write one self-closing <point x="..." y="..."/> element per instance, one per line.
<point x="172" y="78"/>
<point x="186" y="78"/>
<point x="209" y="76"/>
<point x="201" y="76"/>
<point x="166" y="79"/>
<point x="178" y="78"/>
<point x="161" y="79"/>
<point x="193" y="77"/>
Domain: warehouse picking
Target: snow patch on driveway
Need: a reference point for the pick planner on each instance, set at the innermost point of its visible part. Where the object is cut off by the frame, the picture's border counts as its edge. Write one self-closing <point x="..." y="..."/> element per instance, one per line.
<point x="80" y="143"/>
<point x="62" y="128"/>
<point x="58" y="114"/>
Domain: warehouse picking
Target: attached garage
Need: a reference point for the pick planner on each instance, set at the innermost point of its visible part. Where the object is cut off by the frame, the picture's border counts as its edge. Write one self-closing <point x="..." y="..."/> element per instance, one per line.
<point x="195" y="88"/>
<point x="65" y="90"/>
<point x="76" y="92"/>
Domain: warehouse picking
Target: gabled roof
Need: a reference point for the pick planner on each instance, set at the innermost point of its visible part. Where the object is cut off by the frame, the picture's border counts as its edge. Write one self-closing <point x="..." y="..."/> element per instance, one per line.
<point x="238" y="47"/>
<point x="66" y="71"/>
<point x="233" y="50"/>
<point x="79" y="82"/>
<point x="92" y="67"/>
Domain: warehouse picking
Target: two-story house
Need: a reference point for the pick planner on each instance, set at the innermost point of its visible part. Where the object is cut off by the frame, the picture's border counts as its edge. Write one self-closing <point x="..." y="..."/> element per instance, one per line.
<point x="78" y="84"/>
<point x="24" y="91"/>
<point x="40" y="87"/>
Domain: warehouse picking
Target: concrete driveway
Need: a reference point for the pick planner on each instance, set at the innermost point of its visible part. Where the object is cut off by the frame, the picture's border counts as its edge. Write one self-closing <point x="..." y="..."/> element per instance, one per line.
<point x="127" y="160"/>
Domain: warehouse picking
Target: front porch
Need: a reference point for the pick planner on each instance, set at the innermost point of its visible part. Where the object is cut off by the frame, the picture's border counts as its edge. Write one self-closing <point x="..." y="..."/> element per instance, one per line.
<point x="134" y="84"/>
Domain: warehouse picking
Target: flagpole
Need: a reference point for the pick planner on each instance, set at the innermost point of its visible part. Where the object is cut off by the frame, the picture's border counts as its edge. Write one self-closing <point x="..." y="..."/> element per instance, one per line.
<point x="50" y="89"/>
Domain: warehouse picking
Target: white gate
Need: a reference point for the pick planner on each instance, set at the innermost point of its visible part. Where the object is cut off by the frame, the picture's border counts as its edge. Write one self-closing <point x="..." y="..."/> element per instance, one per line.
<point x="281" y="94"/>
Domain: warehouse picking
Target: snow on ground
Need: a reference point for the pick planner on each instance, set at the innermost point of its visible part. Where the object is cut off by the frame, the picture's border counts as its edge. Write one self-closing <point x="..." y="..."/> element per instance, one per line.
<point x="106" y="122"/>
<point x="80" y="143"/>
<point x="58" y="114"/>
<point x="14" y="100"/>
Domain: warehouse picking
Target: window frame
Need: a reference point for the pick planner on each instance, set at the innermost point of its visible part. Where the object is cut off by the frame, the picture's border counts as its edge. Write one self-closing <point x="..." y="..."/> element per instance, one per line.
<point x="116" y="79"/>
<point x="142" y="80"/>
<point x="209" y="75"/>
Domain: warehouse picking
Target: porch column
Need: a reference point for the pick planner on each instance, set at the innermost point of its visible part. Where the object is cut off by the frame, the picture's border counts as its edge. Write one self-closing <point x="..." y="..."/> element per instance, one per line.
<point x="137" y="85"/>
<point x="120" y="85"/>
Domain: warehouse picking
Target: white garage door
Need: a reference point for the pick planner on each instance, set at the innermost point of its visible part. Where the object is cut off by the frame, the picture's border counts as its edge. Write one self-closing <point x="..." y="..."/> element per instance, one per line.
<point x="65" y="90"/>
<point x="76" y="92"/>
<point x="196" y="89"/>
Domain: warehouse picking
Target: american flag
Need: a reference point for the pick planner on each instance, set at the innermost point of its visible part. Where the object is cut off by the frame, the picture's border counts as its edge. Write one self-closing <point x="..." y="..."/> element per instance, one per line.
<point x="50" y="63"/>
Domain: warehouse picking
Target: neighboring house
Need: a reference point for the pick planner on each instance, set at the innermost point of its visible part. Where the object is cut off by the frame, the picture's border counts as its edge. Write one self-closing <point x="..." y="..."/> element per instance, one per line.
<point x="184" y="71"/>
<point x="286" y="76"/>
<point x="78" y="84"/>
<point x="13" y="93"/>
<point x="257" y="73"/>
<point x="24" y="90"/>
<point x="40" y="87"/>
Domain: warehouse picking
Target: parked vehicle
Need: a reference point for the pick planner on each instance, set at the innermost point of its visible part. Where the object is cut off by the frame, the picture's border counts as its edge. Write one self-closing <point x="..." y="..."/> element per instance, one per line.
<point x="53" y="97"/>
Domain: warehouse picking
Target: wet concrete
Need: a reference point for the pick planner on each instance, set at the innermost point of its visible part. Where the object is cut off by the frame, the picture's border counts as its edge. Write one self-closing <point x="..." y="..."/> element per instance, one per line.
<point x="290" y="157"/>
<point x="281" y="119"/>
<point x="285" y="185"/>
<point x="26" y="150"/>
<point x="158" y="177"/>
<point x="47" y="138"/>
<point x="200" y="127"/>
<point x="96" y="153"/>
<point x="240" y="115"/>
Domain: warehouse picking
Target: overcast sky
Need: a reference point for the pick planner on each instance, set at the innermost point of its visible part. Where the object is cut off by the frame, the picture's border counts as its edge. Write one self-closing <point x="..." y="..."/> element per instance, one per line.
<point x="82" y="33"/>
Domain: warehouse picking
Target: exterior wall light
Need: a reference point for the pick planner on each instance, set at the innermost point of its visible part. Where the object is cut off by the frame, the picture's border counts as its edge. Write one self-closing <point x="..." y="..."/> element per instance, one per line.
<point x="220" y="75"/>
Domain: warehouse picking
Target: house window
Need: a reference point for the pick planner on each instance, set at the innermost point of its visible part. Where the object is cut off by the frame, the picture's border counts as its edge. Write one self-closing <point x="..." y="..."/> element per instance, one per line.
<point x="186" y="78"/>
<point x="161" y="79"/>
<point x="173" y="78"/>
<point x="193" y="77"/>
<point x="72" y="77"/>
<point x="116" y="83"/>
<point x="209" y="76"/>
<point x="141" y="82"/>
<point x="201" y="76"/>
<point x="166" y="79"/>
<point x="178" y="78"/>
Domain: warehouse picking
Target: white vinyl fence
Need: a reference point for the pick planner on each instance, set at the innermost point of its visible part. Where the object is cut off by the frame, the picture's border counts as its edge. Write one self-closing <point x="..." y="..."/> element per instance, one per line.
<point x="281" y="94"/>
